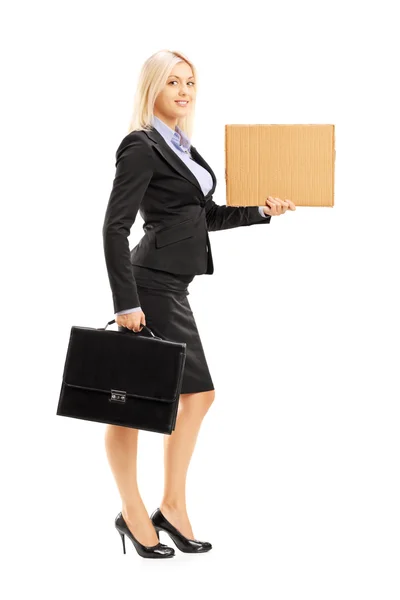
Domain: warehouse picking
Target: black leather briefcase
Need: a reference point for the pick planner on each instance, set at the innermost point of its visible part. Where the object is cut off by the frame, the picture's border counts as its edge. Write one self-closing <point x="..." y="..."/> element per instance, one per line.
<point x="122" y="378"/>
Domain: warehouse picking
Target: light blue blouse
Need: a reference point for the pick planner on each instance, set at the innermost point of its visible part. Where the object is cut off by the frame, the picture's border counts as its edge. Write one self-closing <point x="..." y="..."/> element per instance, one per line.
<point x="180" y="144"/>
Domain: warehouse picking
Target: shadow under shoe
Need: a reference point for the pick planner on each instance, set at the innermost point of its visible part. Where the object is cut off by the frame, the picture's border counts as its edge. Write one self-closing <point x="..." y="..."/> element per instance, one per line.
<point x="157" y="551"/>
<point x="183" y="543"/>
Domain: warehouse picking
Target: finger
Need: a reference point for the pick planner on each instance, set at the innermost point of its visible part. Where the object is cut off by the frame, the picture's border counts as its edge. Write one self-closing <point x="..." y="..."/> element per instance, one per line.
<point x="273" y="207"/>
<point x="284" y="205"/>
<point x="288" y="204"/>
<point x="279" y="205"/>
<point x="270" y="202"/>
<point x="270" y="206"/>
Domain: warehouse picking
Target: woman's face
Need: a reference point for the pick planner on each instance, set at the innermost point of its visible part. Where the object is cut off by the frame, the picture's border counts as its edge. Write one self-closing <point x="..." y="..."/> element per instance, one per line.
<point x="180" y="86"/>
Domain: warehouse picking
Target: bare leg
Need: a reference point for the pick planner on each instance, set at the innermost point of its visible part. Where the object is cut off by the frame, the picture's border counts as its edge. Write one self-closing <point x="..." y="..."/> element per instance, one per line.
<point x="121" y="448"/>
<point x="178" y="450"/>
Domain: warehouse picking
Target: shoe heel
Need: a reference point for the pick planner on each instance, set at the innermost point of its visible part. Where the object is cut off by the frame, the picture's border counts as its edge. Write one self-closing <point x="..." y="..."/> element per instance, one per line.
<point x="184" y="544"/>
<point x="123" y="540"/>
<point x="157" y="551"/>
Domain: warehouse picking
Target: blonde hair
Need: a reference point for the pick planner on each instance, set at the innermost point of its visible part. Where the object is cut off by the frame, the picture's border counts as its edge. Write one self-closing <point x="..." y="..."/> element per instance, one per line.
<point x="152" y="79"/>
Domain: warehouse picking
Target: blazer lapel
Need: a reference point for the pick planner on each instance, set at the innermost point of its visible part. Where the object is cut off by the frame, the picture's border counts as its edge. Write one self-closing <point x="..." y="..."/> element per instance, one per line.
<point x="176" y="163"/>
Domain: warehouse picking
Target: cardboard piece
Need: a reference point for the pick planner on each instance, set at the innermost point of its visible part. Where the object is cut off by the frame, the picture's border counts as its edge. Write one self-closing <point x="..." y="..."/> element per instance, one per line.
<point x="285" y="161"/>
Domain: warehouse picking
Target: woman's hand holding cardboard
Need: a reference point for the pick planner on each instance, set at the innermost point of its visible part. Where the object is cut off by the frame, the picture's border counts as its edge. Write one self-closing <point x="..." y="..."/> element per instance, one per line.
<point x="277" y="207"/>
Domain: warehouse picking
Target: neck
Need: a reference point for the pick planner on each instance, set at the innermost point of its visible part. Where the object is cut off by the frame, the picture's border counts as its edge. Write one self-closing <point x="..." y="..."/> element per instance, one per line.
<point x="171" y="122"/>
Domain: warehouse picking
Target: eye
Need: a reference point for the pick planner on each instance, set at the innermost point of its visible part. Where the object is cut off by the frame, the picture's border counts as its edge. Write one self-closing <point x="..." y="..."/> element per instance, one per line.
<point x="174" y="81"/>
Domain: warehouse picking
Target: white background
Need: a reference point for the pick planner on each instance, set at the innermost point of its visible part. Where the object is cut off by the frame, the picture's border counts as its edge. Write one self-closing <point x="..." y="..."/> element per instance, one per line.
<point x="295" y="476"/>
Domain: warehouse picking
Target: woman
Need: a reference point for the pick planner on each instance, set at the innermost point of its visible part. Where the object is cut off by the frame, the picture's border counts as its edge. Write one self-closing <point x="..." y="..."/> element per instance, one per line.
<point x="160" y="174"/>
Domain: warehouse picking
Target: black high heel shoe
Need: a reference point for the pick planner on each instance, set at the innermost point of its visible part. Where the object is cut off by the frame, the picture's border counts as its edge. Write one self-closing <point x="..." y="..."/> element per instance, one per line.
<point x="157" y="551"/>
<point x="183" y="543"/>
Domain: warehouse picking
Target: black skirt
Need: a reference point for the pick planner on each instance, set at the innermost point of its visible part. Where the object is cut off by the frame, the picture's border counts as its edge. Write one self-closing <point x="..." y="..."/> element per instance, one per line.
<point x="163" y="299"/>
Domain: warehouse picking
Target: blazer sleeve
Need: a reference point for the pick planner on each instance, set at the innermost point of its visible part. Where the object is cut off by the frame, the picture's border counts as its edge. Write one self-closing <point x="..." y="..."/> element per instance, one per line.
<point x="134" y="170"/>
<point x="226" y="217"/>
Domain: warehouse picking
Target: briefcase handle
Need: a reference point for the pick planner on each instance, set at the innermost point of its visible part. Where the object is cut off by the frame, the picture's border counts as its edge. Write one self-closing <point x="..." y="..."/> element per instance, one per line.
<point x="131" y="330"/>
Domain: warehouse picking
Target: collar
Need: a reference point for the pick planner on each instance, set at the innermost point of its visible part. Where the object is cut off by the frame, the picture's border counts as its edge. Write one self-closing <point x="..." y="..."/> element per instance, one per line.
<point x="177" y="137"/>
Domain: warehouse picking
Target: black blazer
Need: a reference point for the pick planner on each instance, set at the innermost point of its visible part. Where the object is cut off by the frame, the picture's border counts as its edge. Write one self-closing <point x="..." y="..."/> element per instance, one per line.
<point x="152" y="179"/>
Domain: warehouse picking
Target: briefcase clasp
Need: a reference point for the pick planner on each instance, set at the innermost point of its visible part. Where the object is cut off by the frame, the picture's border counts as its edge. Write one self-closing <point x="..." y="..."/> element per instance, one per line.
<point x="118" y="396"/>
